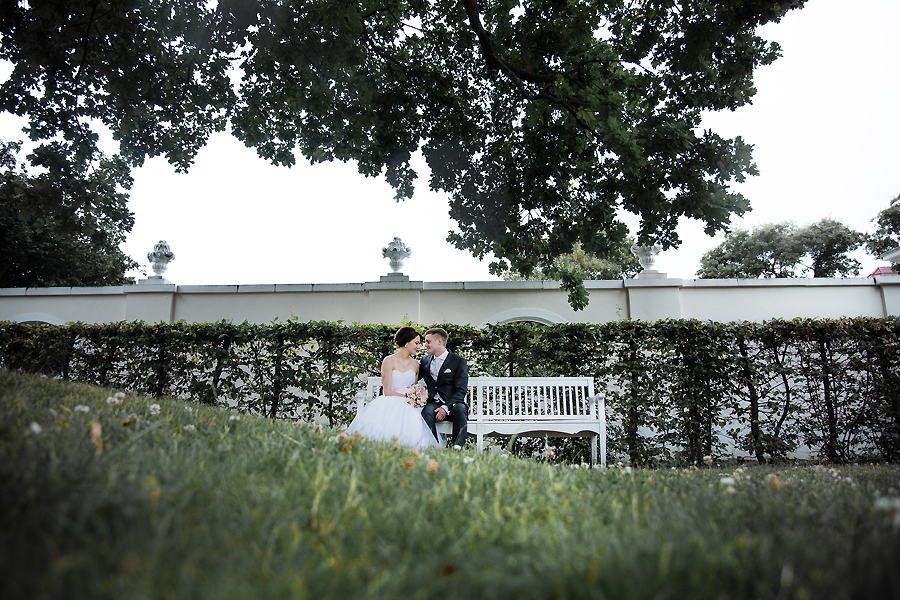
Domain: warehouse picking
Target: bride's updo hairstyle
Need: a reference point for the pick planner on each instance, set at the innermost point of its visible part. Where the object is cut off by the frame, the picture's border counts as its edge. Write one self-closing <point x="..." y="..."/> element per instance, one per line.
<point x="404" y="336"/>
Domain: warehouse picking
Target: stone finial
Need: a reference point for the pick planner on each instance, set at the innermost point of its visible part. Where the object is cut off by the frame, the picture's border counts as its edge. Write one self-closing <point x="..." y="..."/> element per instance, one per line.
<point x="160" y="258"/>
<point x="396" y="251"/>
<point x="646" y="255"/>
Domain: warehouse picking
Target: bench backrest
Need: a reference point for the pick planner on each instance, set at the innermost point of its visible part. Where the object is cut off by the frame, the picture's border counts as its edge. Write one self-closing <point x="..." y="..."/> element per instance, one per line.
<point x="522" y="398"/>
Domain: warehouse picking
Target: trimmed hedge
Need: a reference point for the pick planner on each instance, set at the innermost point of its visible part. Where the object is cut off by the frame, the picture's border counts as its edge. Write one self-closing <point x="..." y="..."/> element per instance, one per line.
<point x="676" y="391"/>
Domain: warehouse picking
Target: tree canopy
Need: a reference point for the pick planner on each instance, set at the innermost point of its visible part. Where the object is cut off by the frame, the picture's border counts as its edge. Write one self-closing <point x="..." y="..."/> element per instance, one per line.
<point x="63" y="228"/>
<point x="887" y="231"/>
<point x="541" y="119"/>
<point x="783" y="250"/>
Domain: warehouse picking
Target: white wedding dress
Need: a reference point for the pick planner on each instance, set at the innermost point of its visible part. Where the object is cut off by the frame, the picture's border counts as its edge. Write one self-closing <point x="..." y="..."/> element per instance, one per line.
<point x="389" y="417"/>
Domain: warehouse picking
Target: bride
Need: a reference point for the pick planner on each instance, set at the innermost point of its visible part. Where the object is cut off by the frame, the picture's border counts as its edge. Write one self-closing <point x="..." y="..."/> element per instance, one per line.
<point x="390" y="416"/>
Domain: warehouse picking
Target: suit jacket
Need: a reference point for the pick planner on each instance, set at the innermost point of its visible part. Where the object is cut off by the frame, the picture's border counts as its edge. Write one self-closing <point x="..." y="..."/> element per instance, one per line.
<point x="452" y="383"/>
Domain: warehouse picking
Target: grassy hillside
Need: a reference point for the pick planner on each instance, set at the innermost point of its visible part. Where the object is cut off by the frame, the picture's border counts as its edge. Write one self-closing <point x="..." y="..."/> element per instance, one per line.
<point x="106" y="497"/>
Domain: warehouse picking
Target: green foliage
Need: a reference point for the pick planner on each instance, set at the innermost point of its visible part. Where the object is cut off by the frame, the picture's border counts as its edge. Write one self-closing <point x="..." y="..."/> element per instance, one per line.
<point x="574" y="268"/>
<point x="158" y="498"/>
<point x="782" y="250"/>
<point x="539" y="119"/>
<point x="64" y="226"/>
<point x="887" y="232"/>
<point x="676" y="391"/>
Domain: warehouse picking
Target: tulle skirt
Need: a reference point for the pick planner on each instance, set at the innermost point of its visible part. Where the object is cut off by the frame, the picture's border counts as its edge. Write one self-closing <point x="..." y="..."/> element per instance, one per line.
<point x="392" y="418"/>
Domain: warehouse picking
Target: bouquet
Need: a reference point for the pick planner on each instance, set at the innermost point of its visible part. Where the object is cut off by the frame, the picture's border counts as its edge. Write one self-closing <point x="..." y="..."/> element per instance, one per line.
<point x="417" y="395"/>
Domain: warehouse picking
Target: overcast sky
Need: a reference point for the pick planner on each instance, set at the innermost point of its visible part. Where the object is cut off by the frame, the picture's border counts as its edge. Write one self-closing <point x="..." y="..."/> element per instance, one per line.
<point x="825" y="125"/>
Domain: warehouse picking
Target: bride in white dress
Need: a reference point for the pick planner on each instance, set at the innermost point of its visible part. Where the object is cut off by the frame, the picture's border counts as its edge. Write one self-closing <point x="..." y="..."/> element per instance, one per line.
<point x="390" y="416"/>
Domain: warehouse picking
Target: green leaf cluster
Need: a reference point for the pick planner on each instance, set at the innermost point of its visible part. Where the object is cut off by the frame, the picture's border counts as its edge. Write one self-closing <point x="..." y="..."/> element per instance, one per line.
<point x="64" y="225"/>
<point x="887" y="232"/>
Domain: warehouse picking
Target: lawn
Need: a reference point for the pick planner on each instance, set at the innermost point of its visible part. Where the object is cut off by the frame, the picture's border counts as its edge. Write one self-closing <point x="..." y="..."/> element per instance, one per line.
<point x="130" y="497"/>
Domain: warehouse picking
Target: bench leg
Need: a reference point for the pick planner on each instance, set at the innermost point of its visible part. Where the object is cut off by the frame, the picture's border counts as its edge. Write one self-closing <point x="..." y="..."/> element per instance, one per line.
<point x="480" y="439"/>
<point x="594" y="450"/>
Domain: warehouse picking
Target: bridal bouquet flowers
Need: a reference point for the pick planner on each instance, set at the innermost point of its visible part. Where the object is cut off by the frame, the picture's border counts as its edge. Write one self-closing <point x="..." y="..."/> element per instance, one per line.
<point x="417" y="394"/>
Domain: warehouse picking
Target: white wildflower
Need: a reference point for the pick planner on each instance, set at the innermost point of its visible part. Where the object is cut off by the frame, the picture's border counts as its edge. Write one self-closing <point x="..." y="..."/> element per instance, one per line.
<point x="154" y="409"/>
<point x="119" y="395"/>
<point x="189" y="427"/>
<point x="728" y="483"/>
<point x="234" y="417"/>
<point x="469" y="460"/>
<point x="35" y="428"/>
<point x="890" y="505"/>
<point x="82" y="408"/>
<point x="113" y="400"/>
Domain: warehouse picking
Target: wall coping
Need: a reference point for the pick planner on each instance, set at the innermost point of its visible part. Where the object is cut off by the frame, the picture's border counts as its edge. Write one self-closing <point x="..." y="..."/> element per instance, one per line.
<point x="880" y="280"/>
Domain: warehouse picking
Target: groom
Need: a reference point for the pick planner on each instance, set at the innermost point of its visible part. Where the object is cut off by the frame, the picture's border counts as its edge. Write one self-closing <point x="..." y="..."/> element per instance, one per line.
<point x="446" y="376"/>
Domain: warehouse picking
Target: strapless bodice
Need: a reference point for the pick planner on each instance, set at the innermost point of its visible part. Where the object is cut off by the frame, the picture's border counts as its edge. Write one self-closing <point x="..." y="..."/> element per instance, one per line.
<point x="402" y="379"/>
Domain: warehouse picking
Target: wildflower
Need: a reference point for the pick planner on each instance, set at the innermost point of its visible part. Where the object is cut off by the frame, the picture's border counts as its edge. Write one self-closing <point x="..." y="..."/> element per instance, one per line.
<point x="113" y="400"/>
<point x="772" y="481"/>
<point x="626" y="471"/>
<point x="82" y="408"/>
<point x="119" y="395"/>
<point x="408" y="463"/>
<point x="457" y="447"/>
<point x="347" y="448"/>
<point x="708" y="460"/>
<point x="318" y="429"/>
<point x="469" y="460"/>
<point x="342" y="435"/>
<point x="154" y="409"/>
<point x="189" y="427"/>
<point x="431" y="466"/>
<point x="189" y="409"/>
<point x="548" y="452"/>
<point x="728" y="482"/>
<point x="890" y="505"/>
<point x="234" y="417"/>
<point x="35" y="428"/>
<point x="96" y="440"/>
<point x="415" y="453"/>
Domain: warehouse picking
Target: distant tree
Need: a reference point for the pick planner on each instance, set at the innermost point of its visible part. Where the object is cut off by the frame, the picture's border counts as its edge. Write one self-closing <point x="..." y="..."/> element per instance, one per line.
<point x="63" y="227"/>
<point x="782" y="250"/>
<point x="827" y="245"/>
<point x="887" y="232"/>
<point x="541" y="120"/>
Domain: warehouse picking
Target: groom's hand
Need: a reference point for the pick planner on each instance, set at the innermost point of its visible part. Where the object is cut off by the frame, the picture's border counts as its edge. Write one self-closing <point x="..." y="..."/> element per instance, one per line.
<point x="440" y="414"/>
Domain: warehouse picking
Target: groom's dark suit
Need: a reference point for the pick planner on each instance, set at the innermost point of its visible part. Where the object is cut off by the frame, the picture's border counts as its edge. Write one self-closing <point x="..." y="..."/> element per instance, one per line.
<point x="449" y="392"/>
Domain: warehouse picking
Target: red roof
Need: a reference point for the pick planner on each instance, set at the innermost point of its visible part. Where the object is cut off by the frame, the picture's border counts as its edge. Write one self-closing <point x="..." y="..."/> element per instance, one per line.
<point x="883" y="271"/>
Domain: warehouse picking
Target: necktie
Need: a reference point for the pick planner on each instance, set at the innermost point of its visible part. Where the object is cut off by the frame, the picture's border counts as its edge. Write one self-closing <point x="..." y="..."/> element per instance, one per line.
<point x="435" y="367"/>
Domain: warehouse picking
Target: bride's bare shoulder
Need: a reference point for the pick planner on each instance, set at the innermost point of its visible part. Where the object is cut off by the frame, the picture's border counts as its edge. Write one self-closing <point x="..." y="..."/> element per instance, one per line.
<point x="390" y="360"/>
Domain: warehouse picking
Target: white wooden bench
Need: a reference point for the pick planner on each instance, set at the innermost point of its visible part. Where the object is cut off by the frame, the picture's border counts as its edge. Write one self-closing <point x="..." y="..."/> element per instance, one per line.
<point x="527" y="406"/>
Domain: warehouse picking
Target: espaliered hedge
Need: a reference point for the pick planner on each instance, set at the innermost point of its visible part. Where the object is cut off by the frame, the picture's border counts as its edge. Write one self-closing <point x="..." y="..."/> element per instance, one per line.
<point x="676" y="390"/>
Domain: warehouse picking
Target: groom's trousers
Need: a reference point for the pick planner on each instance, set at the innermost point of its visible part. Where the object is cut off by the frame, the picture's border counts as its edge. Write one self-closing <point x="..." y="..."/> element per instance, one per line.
<point x="459" y="416"/>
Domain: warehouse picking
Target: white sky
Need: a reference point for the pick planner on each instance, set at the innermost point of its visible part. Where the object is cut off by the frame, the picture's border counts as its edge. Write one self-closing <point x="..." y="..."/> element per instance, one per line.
<point x="825" y="125"/>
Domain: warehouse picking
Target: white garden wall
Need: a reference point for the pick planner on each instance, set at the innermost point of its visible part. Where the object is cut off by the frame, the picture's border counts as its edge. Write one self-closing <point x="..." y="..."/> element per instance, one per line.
<point x="476" y="303"/>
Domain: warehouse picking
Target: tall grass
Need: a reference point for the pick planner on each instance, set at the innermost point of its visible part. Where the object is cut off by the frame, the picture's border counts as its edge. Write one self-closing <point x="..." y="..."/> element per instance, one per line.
<point x="174" y="500"/>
